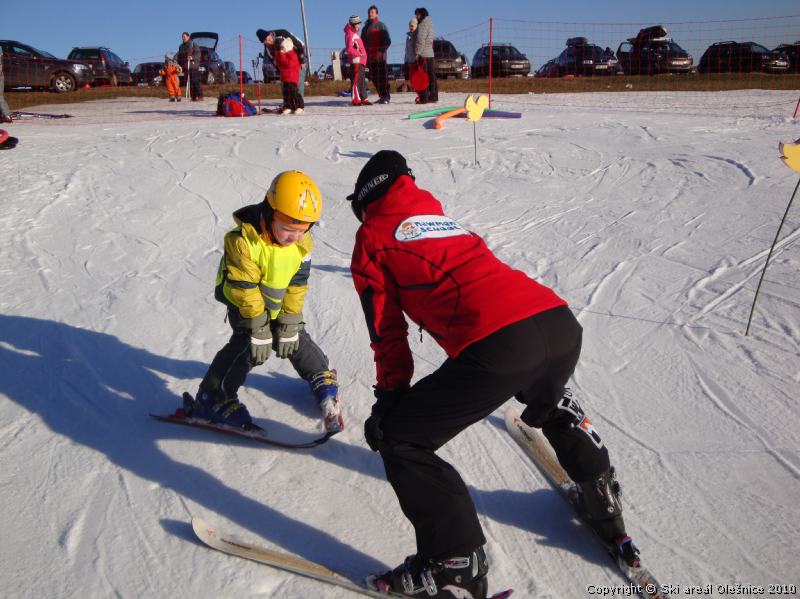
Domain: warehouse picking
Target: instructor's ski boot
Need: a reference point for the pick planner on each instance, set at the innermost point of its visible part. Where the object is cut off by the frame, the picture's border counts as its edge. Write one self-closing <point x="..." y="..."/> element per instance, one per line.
<point x="326" y="390"/>
<point x="216" y="407"/>
<point x="437" y="579"/>
<point x="597" y="501"/>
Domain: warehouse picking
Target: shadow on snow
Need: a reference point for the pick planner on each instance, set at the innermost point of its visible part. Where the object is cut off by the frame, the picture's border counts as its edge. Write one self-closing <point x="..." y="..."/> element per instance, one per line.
<point x="97" y="391"/>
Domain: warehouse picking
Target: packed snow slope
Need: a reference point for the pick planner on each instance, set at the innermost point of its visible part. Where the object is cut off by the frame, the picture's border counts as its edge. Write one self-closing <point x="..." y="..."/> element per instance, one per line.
<point x="654" y="223"/>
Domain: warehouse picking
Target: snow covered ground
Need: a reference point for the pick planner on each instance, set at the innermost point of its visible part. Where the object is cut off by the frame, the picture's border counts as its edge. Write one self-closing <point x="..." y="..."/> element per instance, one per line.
<point x="653" y="222"/>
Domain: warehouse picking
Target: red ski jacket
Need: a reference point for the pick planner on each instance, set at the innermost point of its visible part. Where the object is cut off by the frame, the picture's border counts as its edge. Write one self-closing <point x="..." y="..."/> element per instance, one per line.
<point x="409" y="257"/>
<point x="289" y="66"/>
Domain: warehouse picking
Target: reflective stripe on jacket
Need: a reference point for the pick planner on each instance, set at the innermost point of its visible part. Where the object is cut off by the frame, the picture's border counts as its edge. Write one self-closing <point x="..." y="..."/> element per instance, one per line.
<point x="256" y="275"/>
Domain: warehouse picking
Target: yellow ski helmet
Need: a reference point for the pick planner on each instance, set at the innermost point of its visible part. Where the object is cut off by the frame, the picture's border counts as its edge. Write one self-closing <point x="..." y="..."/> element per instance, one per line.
<point x="294" y="194"/>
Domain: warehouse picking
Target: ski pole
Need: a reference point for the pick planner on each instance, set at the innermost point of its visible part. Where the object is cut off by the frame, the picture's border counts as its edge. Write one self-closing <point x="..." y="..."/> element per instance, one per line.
<point x="188" y="76"/>
<point x="769" y="255"/>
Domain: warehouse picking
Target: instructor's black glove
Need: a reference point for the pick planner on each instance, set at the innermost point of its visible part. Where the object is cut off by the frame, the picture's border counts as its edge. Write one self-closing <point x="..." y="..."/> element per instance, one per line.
<point x="372" y="426"/>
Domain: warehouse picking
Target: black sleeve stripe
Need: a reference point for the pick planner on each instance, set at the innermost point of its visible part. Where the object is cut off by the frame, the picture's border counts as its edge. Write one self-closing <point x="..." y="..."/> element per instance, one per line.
<point x="300" y="278"/>
<point x="368" y="306"/>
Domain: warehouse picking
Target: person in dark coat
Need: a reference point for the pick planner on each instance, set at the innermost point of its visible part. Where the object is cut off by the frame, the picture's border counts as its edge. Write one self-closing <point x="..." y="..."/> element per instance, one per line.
<point x="5" y="111"/>
<point x="188" y="59"/>
<point x="272" y="45"/>
<point x="377" y="40"/>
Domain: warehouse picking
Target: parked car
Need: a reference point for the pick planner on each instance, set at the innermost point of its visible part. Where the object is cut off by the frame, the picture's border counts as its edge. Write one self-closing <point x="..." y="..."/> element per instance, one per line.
<point x="106" y="66"/>
<point x="507" y="61"/>
<point x="246" y="77"/>
<point x="396" y="71"/>
<point x="651" y="52"/>
<point x="792" y="52"/>
<point x="212" y="69"/>
<point x="742" y="57"/>
<point x="271" y="72"/>
<point x="231" y="74"/>
<point x="25" y="66"/>
<point x="548" y="69"/>
<point x="580" y="58"/>
<point x="448" y="62"/>
<point x="146" y="74"/>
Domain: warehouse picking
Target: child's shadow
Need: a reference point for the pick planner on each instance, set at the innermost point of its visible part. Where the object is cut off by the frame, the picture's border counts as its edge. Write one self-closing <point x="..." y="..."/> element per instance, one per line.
<point x="96" y="390"/>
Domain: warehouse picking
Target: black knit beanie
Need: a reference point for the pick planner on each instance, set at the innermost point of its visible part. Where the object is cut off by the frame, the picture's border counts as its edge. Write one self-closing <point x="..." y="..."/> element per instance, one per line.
<point x="378" y="175"/>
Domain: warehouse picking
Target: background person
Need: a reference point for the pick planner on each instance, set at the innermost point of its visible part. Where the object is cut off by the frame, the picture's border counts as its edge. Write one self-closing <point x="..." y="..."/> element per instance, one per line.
<point x="425" y="56"/>
<point x="171" y="72"/>
<point x="377" y="41"/>
<point x="410" y="59"/>
<point x="189" y="60"/>
<point x="271" y="40"/>
<point x="357" y="55"/>
<point x="5" y="111"/>
<point x="289" y="65"/>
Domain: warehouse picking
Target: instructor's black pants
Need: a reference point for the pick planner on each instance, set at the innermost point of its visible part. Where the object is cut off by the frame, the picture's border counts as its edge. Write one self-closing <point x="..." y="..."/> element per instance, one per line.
<point x="531" y="360"/>
<point x="379" y="75"/>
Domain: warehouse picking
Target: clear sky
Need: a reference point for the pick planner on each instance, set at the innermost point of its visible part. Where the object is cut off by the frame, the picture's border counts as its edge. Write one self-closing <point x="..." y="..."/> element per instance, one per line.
<point x="142" y="31"/>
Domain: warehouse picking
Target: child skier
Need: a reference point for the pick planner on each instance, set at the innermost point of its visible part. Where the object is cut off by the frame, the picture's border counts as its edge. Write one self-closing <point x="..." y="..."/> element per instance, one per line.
<point x="171" y="73"/>
<point x="289" y="65"/>
<point x="357" y="57"/>
<point x="505" y="335"/>
<point x="263" y="279"/>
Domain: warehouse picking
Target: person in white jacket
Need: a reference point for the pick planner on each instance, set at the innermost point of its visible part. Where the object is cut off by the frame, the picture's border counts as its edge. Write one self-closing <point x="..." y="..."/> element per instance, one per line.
<point x="425" y="56"/>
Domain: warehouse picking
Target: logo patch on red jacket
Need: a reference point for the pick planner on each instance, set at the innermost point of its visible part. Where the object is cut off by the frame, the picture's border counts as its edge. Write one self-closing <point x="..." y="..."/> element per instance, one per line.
<point x="428" y="226"/>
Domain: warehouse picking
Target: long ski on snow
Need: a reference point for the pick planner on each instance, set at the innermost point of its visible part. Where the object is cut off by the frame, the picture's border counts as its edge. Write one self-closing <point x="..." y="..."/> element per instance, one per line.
<point x="229" y="544"/>
<point x="254" y="433"/>
<point x="538" y="449"/>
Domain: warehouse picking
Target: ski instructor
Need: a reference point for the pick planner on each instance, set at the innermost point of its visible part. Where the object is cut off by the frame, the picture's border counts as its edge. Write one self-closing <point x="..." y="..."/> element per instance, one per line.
<point x="505" y="336"/>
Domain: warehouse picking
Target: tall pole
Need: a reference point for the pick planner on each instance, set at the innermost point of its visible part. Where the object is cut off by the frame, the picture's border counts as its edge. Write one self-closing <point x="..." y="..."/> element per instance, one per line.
<point x="241" y="72"/>
<point x="491" y="58"/>
<point x="305" y="36"/>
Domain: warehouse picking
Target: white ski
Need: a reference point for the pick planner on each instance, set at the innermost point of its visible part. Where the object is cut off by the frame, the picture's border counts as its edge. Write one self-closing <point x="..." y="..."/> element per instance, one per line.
<point x="541" y="454"/>
<point x="284" y="561"/>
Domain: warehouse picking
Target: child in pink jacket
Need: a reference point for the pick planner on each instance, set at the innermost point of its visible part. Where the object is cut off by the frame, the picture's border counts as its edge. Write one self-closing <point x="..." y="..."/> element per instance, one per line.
<point x="358" y="58"/>
<point x="289" y="65"/>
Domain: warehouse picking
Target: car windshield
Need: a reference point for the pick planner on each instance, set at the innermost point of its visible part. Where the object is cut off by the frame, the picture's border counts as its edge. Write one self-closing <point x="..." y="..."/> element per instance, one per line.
<point x="508" y="53"/>
<point x="759" y="49"/>
<point x="84" y="54"/>
<point x="442" y="49"/>
<point x="589" y="52"/>
<point x="31" y="49"/>
<point x="670" y="47"/>
<point x="204" y="42"/>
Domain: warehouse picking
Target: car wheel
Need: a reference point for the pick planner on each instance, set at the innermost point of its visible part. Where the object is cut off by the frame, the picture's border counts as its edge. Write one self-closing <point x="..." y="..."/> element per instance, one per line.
<point x="63" y="82"/>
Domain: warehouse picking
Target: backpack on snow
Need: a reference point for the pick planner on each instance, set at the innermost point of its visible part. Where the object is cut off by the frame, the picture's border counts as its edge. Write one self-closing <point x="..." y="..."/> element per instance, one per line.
<point x="232" y="104"/>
